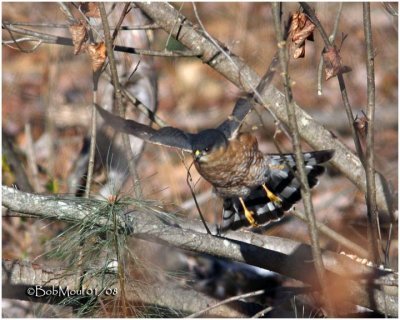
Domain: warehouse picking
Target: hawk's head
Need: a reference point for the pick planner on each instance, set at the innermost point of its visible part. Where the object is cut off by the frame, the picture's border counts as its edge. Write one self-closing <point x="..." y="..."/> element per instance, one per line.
<point x="206" y="142"/>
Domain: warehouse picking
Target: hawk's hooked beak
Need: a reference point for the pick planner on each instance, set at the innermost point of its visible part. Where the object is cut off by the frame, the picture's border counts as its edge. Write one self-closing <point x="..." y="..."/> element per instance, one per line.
<point x="197" y="155"/>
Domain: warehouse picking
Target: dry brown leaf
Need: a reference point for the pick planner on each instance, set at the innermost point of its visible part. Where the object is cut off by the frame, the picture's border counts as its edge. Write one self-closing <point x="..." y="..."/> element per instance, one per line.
<point x="79" y="36"/>
<point x="361" y="125"/>
<point x="333" y="63"/>
<point x="301" y="29"/>
<point x="98" y="54"/>
<point x="90" y="9"/>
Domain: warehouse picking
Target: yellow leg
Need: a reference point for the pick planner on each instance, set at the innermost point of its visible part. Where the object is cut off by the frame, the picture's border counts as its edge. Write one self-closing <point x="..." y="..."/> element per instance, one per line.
<point x="274" y="198"/>
<point x="249" y="214"/>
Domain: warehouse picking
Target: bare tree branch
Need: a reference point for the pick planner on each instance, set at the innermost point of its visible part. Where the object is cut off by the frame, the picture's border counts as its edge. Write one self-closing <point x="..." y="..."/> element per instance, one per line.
<point x="152" y="26"/>
<point x="287" y="257"/>
<point x="373" y="218"/>
<point x="52" y="39"/>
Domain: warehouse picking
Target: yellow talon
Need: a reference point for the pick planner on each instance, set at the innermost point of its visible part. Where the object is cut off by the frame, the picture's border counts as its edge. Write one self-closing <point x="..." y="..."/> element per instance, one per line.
<point x="249" y="214"/>
<point x="274" y="198"/>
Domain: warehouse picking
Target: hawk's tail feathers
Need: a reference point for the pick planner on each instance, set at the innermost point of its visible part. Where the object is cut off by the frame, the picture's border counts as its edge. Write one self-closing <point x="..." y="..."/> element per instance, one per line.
<point x="281" y="181"/>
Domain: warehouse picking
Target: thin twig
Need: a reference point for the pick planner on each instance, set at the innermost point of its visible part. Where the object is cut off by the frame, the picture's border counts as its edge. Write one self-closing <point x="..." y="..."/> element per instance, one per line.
<point x="151" y="26"/>
<point x="21" y="40"/>
<point x="263" y="312"/>
<point x="392" y="10"/>
<point x="92" y="149"/>
<point x="53" y="72"/>
<point x="305" y="188"/>
<point x="332" y="234"/>
<point x="235" y="298"/>
<point x="94" y="34"/>
<point x="332" y="37"/>
<point x="18" y="45"/>
<point x="310" y="13"/>
<point x="350" y="117"/>
<point x="189" y="182"/>
<point x="32" y="158"/>
<point x="140" y="105"/>
<point x="52" y="39"/>
<point x="201" y="198"/>
<point x="125" y="11"/>
<point x="388" y="242"/>
<point x="373" y="219"/>
<point x="118" y="96"/>
<point x="64" y="8"/>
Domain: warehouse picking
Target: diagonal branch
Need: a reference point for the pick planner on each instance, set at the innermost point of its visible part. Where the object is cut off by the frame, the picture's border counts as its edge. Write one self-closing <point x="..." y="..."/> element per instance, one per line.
<point x="52" y="39"/>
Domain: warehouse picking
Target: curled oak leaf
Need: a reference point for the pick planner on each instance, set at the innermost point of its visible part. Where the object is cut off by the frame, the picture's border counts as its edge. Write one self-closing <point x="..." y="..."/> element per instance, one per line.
<point x="301" y="29"/>
<point x="98" y="54"/>
<point x="90" y="9"/>
<point x="333" y="63"/>
<point x="79" y="36"/>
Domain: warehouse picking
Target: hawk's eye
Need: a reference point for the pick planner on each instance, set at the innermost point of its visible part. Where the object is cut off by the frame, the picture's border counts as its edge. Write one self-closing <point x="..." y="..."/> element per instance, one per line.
<point x="206" y="149"/>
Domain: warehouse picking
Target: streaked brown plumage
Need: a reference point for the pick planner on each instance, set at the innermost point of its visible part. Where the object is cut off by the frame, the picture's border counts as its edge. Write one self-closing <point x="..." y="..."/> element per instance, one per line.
<point x="234" y="169"/>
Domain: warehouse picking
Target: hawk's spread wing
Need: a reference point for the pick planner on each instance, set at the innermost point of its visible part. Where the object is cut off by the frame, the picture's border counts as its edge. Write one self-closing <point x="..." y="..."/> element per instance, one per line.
<point x="167" y="136"/>
<point x="231" y="126"/>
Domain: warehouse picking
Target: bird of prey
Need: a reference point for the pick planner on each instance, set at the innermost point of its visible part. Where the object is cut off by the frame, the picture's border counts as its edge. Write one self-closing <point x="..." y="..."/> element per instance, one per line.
<point x="255" y="187"/>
